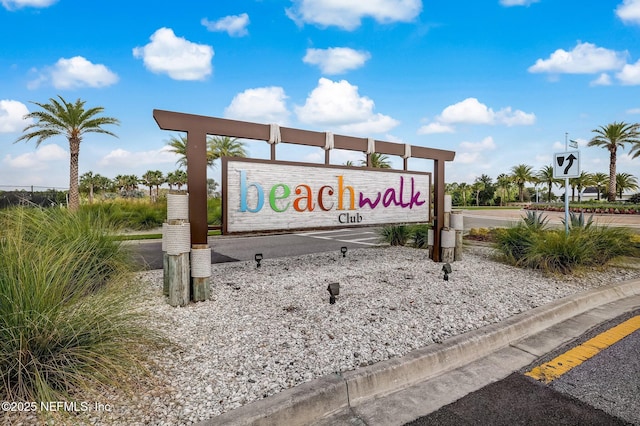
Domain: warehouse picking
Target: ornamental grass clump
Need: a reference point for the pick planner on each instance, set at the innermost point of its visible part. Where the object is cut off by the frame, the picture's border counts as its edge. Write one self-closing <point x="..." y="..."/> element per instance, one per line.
<point x="395" y="235"/>
<point x="556" y="251"/>
<point x="67" y="327"/>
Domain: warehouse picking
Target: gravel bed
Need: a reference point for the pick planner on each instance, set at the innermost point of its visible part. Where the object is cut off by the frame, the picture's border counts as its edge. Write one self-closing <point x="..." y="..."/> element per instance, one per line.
<point x="269" y="329"/>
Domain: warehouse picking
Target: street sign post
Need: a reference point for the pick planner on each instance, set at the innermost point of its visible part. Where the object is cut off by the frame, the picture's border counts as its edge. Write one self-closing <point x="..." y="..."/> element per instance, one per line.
<point x="566" y="165"/>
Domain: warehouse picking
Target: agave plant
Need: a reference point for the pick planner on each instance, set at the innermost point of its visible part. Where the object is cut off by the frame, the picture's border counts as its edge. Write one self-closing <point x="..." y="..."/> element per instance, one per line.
<point x="578" y="222"/>
<point x="535" y="221"/>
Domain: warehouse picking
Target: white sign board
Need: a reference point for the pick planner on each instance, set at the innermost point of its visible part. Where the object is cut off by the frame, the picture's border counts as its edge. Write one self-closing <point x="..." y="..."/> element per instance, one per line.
<point x="566" y="165"/>
<point x="262" y="195"/>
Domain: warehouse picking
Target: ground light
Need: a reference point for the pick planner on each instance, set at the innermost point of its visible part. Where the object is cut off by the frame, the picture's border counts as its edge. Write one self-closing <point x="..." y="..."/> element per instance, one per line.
<point x="343" y="250"/>
<point x="334" y="290"/>
<point x="446" y="268"/>
<point x="258" y="258"/>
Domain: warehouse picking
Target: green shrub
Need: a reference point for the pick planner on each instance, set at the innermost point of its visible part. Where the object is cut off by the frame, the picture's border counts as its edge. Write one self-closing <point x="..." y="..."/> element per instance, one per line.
<point x="395" y="235"/>
<point x="557" y="251"/>
<point x="66" y="324"/>
<point x="420" y="235"/>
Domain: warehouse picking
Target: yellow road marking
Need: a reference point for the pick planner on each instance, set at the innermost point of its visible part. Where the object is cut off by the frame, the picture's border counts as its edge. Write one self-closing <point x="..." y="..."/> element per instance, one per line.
<point x="558" y="366"/>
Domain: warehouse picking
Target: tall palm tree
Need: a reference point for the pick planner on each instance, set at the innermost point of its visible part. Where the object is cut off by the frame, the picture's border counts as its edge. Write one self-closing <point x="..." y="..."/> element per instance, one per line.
<point x="599" y="180"/>
<point x="477" y="187"/>
<point x="545" y="175"/>
<point x="379" y="161"/>
<point x="625" y="181"/>
<point x="521" y="174"/>
<point x="178" y="145"/>
<point x="612" y="137"/>
<point x="62" y="118"/>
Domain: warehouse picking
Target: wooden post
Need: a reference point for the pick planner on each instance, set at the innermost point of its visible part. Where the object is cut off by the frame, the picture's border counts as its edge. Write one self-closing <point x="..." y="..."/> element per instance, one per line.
<point x="165" y="276"/>
<point x="200" y="290"/>
<point x="178" y="271"/>
<point x="457" y="223"/>
<point x="457" y="255"/>
<point x="448" y="245"/>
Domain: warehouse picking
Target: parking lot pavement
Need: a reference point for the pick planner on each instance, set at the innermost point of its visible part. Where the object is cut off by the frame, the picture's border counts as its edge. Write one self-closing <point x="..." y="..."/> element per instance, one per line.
<point x="364" y="236"/>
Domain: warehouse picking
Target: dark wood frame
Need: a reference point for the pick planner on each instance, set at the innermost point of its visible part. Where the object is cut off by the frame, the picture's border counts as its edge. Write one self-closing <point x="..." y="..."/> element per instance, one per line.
<point x="198" y="127"/>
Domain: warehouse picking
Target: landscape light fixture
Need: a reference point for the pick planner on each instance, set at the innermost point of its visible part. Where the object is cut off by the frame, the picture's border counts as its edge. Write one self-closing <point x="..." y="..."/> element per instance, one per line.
<point x="343" y="250"/>
<point x="334" y="290"/>
<point x="258" y="258"/>
<point x="446" y="268"/>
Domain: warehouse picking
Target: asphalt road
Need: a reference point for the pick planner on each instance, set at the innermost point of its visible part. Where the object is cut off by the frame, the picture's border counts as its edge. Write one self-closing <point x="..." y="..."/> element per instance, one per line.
<point x="148" y="254"/>
<point x="604" y="390"/>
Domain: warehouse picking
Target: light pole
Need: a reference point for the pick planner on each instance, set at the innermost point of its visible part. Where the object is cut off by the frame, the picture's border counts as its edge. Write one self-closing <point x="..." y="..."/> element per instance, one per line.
<point x="566" y="190"/>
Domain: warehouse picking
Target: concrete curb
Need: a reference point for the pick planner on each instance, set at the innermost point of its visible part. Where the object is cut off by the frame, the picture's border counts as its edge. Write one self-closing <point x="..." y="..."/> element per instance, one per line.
<point x="311" y="401"/>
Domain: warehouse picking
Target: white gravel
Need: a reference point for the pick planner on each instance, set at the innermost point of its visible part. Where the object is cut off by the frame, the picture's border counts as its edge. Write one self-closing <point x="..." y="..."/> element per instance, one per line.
<point x="268" y="329"/>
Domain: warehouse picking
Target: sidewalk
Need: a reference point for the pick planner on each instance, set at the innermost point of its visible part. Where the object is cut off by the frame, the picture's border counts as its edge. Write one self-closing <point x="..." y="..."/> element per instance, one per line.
<point x="392" y="392"/>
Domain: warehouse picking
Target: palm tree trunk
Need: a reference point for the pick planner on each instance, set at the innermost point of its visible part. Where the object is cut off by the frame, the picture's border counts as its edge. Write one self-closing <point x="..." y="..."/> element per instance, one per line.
<point x="612" y="176"/>
<point x="74" y="196"/>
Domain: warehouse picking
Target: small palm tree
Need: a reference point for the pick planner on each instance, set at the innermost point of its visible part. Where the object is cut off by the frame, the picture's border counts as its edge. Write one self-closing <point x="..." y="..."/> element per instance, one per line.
<point x="612" y="137"/>
<point x="378" y="161"/>
<point x="504" y="182"/>
<point x="624" y="182"/>
<point x="62" y="118"/>
<point x="600" y="181"/>
<point x="545" y="175"/>
<point x="521" y="174"/>
<point x="477" y="187"/>
<point x="153" y="178"/>
<point x="91" y="183"/>
<point x="463" y="187"/>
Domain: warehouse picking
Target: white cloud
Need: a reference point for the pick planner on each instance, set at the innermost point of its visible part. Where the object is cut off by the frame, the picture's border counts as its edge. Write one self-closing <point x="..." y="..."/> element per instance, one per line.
<point x="509" y="3"/>
<point x="585" y="58"/>
<point x="629" y="11"/>
<point x="336" y="60"/>
<point x="484" y="145"/>
<point x="348" y="14"/>
<point x="175" y="56"/>
<point x="123" y="158"/>
<point x="433" y="128"/>
<point x="630" y="74"/>
<point x="11" y="116"/>
<point x="471" y="111"/>
<point x="603" y="79"/>
<point x="633" y="111"/>
<point x="234" y="25"/>
<point x="38" y="159"/>
<point x="75" y="73"/>
<point x="18" y="4"/>
<point x="264" y="104"/>
<point x="339" y="105"/>
<point x="466" y="157"/>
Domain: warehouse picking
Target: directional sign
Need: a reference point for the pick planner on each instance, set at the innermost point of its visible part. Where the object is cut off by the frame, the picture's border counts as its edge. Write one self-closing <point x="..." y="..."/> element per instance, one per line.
<point x="566" y="165"/>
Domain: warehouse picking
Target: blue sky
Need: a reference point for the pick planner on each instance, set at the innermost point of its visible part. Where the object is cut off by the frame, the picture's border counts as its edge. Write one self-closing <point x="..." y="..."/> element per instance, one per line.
<point x="498" y="81"/>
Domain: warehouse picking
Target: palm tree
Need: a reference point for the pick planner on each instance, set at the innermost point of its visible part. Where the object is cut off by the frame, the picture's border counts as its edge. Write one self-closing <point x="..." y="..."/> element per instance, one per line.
<point x="73" y="121"/>
<point x="545" y="175"/>
<point x="378" y="161"/>
<point x="153" y="178"/>
<point x="178" y="145"/>
<point x="625" y="181"/>
<point x="224" y="146"/>
<point x="91" y="183"/>
<point x="504" y="182"/>
<point x="612" y="137"/>
<point x="583" y="180"/>
<point x="463" y="187"/>
<point x="599" y="180"/>
<point x="521" y="174"/>
<point x="477" y="187"/>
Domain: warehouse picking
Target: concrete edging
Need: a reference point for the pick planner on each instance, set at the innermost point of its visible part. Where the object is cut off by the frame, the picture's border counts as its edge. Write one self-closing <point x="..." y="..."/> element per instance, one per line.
<point x="324" y="396"/>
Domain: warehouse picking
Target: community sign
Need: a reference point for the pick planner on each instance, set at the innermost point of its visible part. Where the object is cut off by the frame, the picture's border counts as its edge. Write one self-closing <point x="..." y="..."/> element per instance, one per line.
<point x="261" y="195"/>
